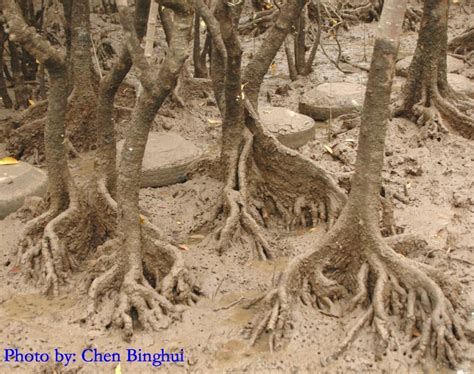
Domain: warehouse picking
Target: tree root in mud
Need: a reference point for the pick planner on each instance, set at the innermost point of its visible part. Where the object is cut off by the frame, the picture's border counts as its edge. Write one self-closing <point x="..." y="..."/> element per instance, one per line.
<point x="51" y="244"/>
<point x="153" y="286"/>
<point x="273" y="186"/>
<point x="437" y="113"/>
<point x="388" y="285"/>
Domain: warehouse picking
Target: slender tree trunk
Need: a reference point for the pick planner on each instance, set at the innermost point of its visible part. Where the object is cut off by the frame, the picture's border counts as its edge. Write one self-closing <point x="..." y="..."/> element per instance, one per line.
<point x="7" y="101"/>
<point x="427" y="97"/>
<point x="106" y="148"/>
<point x="21" y="93"/>
<point x="200" y="69"/>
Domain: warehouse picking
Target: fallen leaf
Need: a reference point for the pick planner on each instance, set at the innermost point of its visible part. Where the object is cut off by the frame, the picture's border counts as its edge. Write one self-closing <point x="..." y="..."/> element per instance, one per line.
<point x="273" y="68"/>
<point x="214" y="122"/>
<point x="142" y="219"/>
<point x="350" y="140"/>
<point x="14" y="270"/>
<point x="329" y="149"/>
<point x="8" y="161"/>
<point x="196" y="236"/>
<point x="31" y="102"/>
<point x="118" y="369"/>
<point x="179" y="222"/>
<point x="183" y="247"/>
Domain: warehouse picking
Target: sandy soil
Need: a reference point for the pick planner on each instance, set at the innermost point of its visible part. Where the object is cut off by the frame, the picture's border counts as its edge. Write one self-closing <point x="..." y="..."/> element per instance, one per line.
<point x="433" y="179"/>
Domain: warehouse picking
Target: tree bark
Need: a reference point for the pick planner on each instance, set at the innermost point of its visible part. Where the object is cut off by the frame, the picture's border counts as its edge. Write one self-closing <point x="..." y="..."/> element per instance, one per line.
<point x="427" y="97"/>
<point x="7" y="101"/>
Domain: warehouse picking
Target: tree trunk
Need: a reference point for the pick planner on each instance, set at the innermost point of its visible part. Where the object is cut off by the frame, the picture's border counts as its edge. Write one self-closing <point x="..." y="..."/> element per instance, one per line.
<point x="21" y="92"/>
<point x="200" y="69"/>
<point x="427" y="97"/>
<point x="106" y="142"/>
<point x="80" y="119"/>
<point x="265" y="183"/>
<point x="353" y="256"/>
<point x="147" y="272"/>
<point x="7" y="101"/>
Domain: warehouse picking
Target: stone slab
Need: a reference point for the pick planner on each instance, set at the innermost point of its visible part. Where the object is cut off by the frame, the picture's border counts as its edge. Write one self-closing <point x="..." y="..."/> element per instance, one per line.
<point x="292" y="129"/>
<point x="401" y="68"/>
<point x="18" y="182"/>
<point x="167" y="159"/>
<point x="330" y="100"/>
<point x="461" y="84"/>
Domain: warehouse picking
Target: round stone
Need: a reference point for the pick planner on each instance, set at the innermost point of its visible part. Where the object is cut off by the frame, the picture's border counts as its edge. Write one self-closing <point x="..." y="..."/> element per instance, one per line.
<point x="18" y="182"/>
<point x="453" y="65"/>
<point x="291" y="129"/>
<point x="330" y="100"/>
<point x="461" y="84"/>
<point x="167" y="159"/>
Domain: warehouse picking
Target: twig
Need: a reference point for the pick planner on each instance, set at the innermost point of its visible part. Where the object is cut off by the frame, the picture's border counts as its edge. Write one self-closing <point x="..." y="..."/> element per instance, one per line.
<point x="95" y="56"/>
<point x="230" y="305"/>
<point x="218" y="288"/>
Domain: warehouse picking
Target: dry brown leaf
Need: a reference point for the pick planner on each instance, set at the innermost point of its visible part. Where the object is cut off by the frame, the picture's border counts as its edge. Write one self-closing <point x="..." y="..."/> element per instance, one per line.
<point x="184" y="247"/>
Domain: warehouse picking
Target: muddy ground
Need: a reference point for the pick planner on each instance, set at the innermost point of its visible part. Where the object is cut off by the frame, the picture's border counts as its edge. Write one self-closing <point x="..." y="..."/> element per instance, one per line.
<point x="434" y="182"/>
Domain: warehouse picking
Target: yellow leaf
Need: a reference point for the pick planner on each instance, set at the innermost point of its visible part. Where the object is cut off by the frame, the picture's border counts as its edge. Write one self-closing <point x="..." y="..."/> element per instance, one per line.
<point x="142" y="219"/>
<point x="118" y="369"/>
<point x="183" y="247"/>
<point x="214" y="122"/>
<point x="31" y="102"/>
<point x="8" y="161"/>
<point x="273" y="68"/>
<point x="329" y="149"/>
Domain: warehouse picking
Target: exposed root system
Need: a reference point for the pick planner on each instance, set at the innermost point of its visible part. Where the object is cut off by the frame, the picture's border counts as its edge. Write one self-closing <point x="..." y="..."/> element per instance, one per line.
<point x="389" y="290"/>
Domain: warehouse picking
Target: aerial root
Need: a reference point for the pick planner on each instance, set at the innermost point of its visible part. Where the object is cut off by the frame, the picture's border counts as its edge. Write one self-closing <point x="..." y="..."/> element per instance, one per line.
<point x="274" y="320"/>
<point x="156" y="294"/>
<point x="416" y="299"/>
<point x="154" y="311"/>
<point x="41" y="253"/>
<point x="238" y="207"/>
<point x="320" y="291"/>
<point x="452" y="108"/>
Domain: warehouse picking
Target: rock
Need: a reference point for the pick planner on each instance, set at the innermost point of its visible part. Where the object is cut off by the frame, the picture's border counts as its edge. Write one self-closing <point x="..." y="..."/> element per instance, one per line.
<point x="168" y="157"/>
<point x="454" y="64"/>
<point x="461" y="84"/>
<point x="332" y="100"/>
<point x="291" y="129"/>
<point x="18" y="182"/>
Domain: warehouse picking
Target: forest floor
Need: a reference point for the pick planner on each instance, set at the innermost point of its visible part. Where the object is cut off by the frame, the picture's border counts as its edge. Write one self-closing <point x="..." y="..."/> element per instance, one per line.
<point x="433" y="178"/>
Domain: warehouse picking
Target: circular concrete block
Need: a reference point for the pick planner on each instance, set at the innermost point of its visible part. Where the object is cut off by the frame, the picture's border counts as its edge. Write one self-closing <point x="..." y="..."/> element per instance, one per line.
<point x="453" y="65"/>
<point x="18" y="182"/>
<point x="332" y="100"/>
<point x="461" y="84"/>
<point x="291" y="129"/>
<point x="167" y="159"/>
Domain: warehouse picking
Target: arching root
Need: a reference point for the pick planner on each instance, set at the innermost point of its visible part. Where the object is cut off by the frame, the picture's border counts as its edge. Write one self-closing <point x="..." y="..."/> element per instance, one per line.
<point x="152" y="287"/>
<point x="438" y="113"/>
<point x="285" y="190"/>
<point x="388" y="285"/>
<point x="42" y="254"/>
<point x="240" y="215"/>
<point x="275" y="319"/>
<point x="406" y="290"/>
